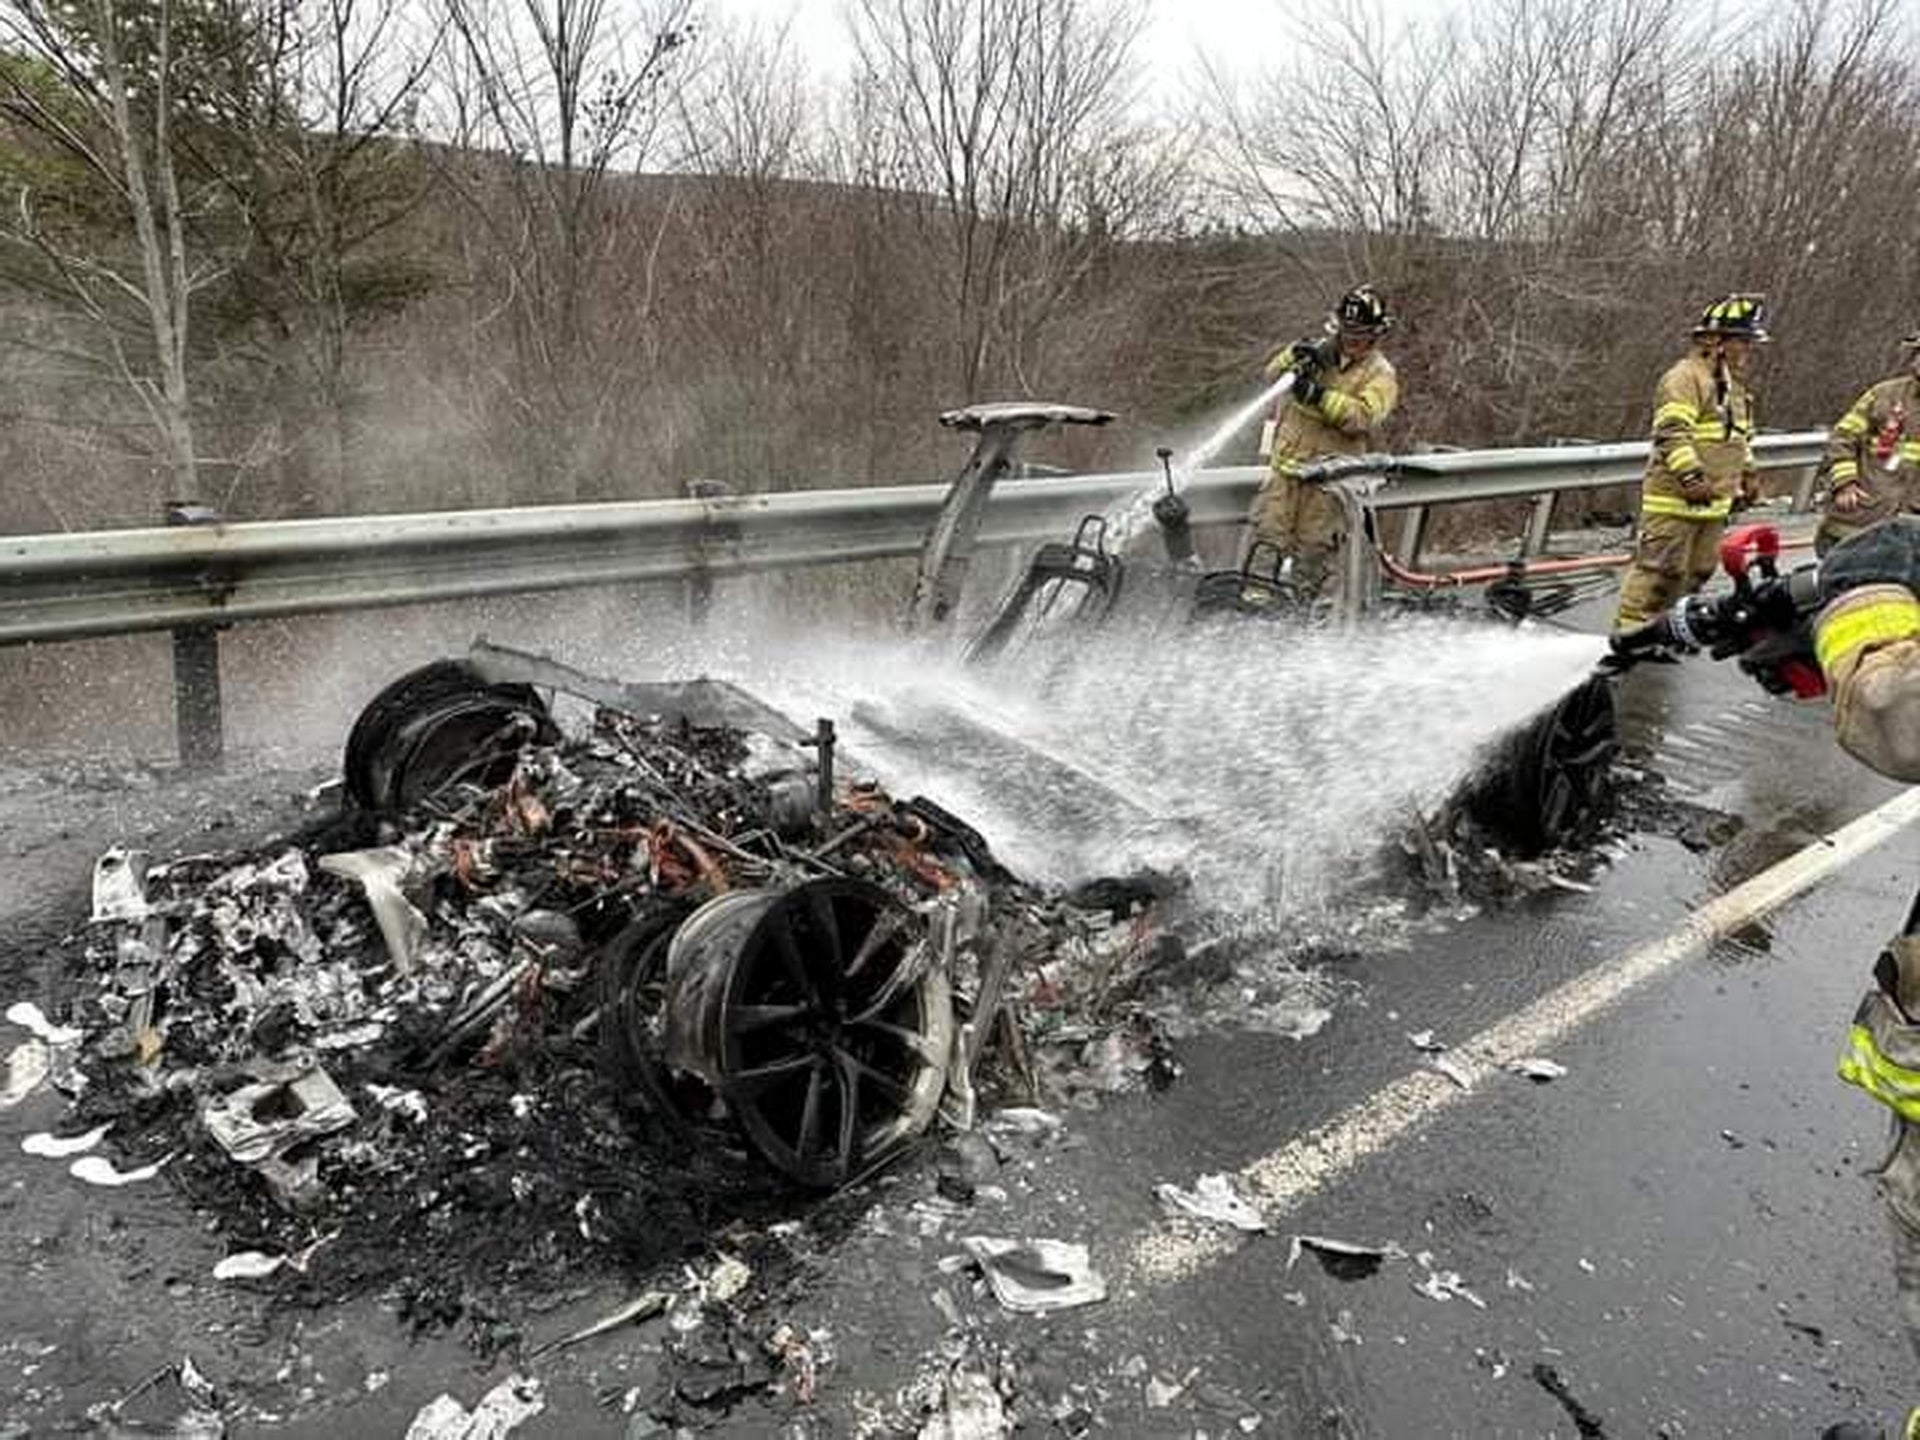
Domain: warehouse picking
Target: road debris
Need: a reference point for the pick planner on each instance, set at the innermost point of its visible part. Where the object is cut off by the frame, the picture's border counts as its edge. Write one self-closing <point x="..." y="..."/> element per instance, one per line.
<point x="248" y="1265"/>
<point x="119" y="885"/>
<point x="973" y="1409"/>
<point x="1538" y="1070"/>
<point x="1034" y="1276"/>
<point x="1585" y="1422"/>
<point x="99" y="1170"/>
<point x="1443" y="1285"/>
<point x="33" y="1020"/>
<point x="27" y="1066"/>
<point x="1423" y="1040"/>
<point x="1215" y="1199"/>
<point x="1342" y="1259"/>
<point x="61" y="1147"/>
<point x="1453" y="1069"/>
<point x="501" y="1411"/>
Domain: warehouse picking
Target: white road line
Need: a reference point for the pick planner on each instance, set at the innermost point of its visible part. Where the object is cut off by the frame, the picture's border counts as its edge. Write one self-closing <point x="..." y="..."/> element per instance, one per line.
<point x="1282" y="1181"/>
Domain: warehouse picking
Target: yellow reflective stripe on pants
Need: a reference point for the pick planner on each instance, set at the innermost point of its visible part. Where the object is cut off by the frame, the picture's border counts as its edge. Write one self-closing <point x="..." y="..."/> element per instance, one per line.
<point x="1682" y="458"/>
<point x="1716" y="509"/>
<point x="1862" y="1064"/>
<point x="1876" y="624"/>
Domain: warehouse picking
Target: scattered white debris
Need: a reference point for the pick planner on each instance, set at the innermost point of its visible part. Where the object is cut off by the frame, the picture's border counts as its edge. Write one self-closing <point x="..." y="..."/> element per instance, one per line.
<point x="1030" y="1276"/>
<point x="410" y="1104"/>
<point x="99" y="1170"/>
<point x="503" y="1409"/>
<point x="381" y="874"/>
<point x="1445" y="1285"/>
<point x="194" y="1381"/>
<point x="31" y="1018"/>
<point x="974" y="1410"/>
<point x="1423" y="1040"/>
<point x="1343" y="1329"/>
<point x="120" y="885"/>
<point x="1024" y="1120"/>
<point x="1537" y="1069"/>
<point x="1453" y="1070"/>
<point x="1586" y="1265"/>
<point x="1214" y="1198"/>
<point x="248" y="1265"/>
<point x="59" y="1147"/>
<point x="645" y="1308"/>
<point x="1517" y="1281"/>
<point x="728" y="1279"/>
<point x="27" y="1066"/>
<point x="1162" y="1393"/>
<point x="1348" y="1254"/>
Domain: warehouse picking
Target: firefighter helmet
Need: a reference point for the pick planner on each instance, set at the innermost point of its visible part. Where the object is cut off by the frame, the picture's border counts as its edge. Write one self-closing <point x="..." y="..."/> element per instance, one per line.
<point x="1362" y="312"/>
<point x="1735" y="317"/>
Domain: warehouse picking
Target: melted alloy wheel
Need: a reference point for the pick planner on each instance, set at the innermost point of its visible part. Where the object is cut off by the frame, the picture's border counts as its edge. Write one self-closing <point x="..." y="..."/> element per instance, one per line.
<point x="1554" y="774"/>
<point x="815" y="1015"/>
<point x="1576" y="759"/>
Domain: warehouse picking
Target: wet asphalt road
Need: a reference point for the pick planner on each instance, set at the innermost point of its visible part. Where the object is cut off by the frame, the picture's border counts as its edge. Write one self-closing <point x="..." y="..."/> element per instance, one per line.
<point x="1677" y="1237"/>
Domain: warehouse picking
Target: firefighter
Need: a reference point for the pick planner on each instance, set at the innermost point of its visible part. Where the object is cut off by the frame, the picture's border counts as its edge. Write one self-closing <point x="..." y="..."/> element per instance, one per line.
<point x="1873" y="455"/>
<point x="1865" y="639"/>
<point x="1343" y="391"/>
<point x="1702" y="463"/>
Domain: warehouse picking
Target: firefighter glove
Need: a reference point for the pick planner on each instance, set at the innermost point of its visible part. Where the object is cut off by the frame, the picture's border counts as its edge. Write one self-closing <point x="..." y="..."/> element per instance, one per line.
<point x="1307" y="388"/>
<point x="1783" y="663"/>
<point x="1883" y="554"/>
<point x="1304" y="357"/>
<point x="1696" y="488"/>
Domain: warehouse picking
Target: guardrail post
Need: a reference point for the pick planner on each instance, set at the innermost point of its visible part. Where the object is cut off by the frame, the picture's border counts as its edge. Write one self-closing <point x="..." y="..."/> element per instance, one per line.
<point x="699" y="582"/>
<point x="1540" y="523"/>
<point x="1358" y="572"/>
<point x="197" y="719"/>
<point x="1803" y="489"/>
<point x="1413" y="534"/>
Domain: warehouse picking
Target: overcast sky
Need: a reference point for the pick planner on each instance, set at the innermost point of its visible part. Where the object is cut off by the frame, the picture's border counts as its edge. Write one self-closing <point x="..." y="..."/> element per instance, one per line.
<point x="1242" y="33"/>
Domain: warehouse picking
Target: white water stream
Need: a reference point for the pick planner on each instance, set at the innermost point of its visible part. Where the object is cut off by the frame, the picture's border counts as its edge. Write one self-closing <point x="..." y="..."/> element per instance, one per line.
<point x="1127" y="520"/>
<point x="1269" y="763"/>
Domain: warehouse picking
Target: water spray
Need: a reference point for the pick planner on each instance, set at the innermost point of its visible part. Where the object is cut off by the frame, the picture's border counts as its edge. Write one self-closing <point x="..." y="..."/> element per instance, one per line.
<point x="1127" y="518"/>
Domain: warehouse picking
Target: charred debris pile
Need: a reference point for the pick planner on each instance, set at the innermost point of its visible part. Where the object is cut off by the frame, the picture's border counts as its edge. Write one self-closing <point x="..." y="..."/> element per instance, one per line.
<point x="579" y="985"/>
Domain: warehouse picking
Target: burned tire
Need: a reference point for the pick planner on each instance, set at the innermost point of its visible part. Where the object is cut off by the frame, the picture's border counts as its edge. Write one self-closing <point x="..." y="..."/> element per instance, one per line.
<point x="632" y="972"/>
<point x="1549" y="782"/>
<point x="433" y="726"/>
<point x="815" y="1015"/>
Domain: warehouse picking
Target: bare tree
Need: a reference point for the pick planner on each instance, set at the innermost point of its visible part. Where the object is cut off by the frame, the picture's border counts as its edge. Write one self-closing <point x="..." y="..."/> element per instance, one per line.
<point x="1010" y="122"/>
<point x="94" y="89"/>
<point x="552" y="103"/>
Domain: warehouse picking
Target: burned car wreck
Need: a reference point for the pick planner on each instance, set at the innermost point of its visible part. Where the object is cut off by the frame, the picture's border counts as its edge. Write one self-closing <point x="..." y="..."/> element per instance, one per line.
<point x="587" y="967"/>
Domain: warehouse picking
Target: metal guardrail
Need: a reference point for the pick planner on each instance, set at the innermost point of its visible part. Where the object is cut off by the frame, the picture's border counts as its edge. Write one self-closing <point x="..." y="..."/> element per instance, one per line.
<point x="110" y="582"/>
<point x="194" y="577"/>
